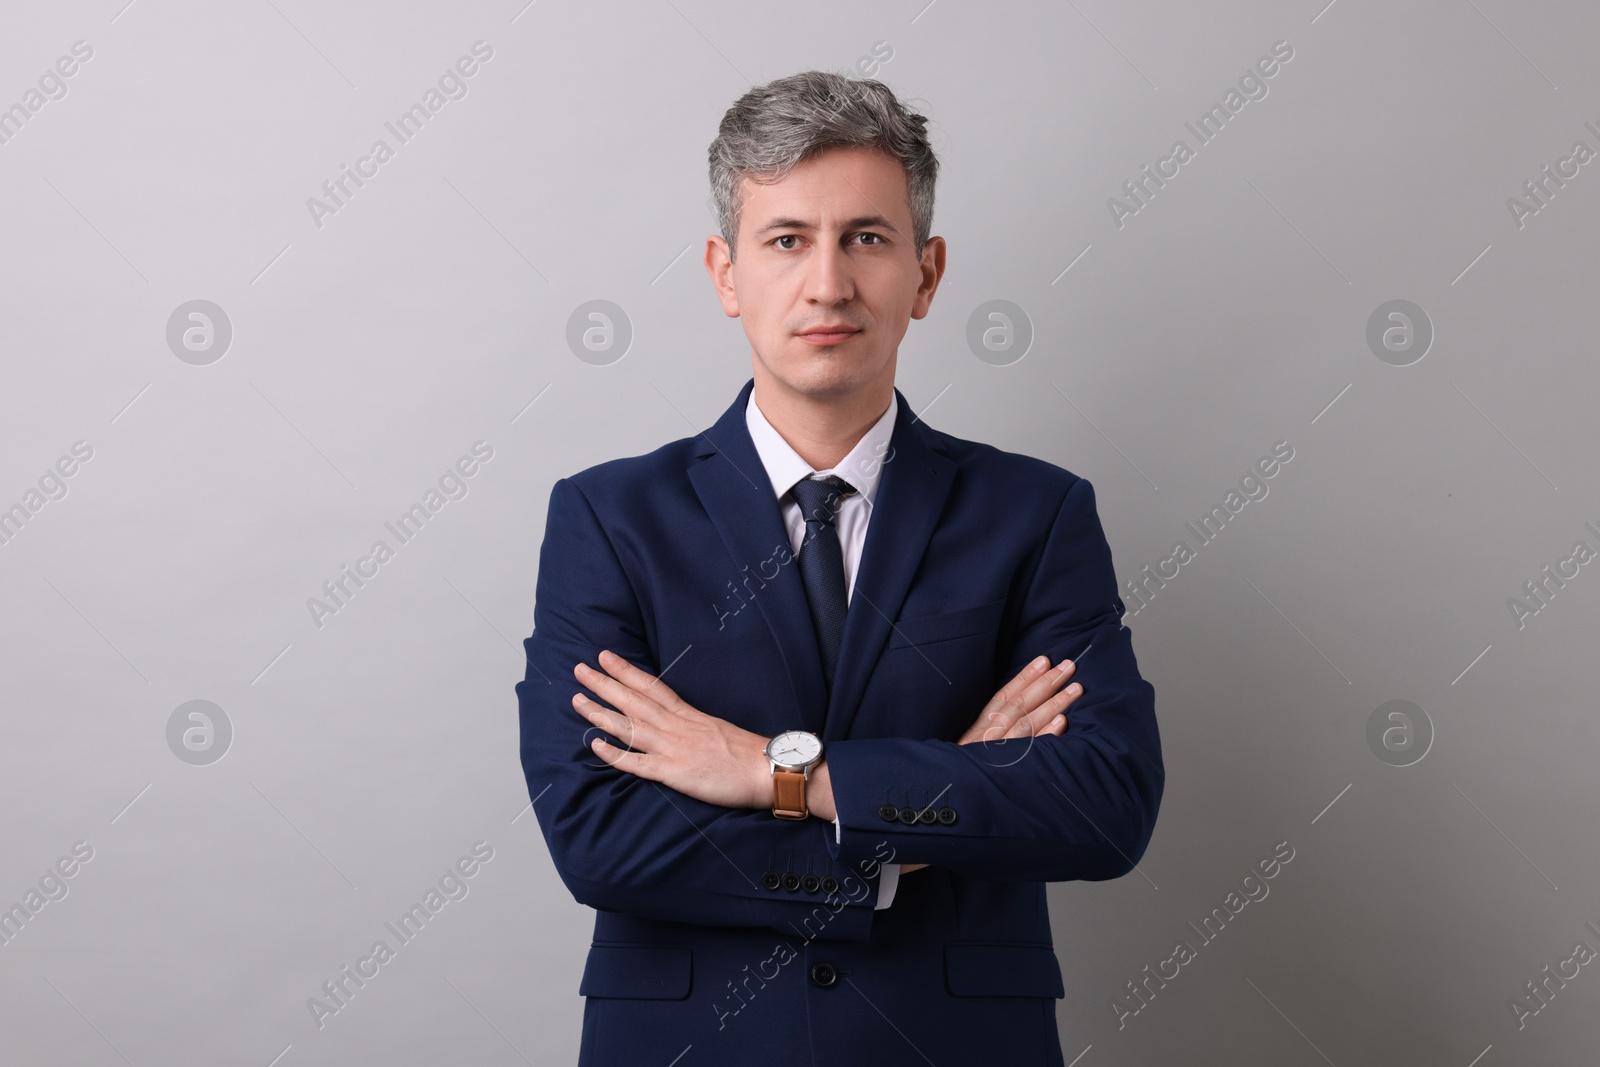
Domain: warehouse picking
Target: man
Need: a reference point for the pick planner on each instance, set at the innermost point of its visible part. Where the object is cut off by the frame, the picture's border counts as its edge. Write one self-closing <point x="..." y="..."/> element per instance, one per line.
<point x="759" y="719"/>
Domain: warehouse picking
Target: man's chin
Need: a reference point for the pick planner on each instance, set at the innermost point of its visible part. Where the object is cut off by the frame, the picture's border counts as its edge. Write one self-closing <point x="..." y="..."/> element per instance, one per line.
<point x="826" y="371"/>
<point x="826" y="383"/>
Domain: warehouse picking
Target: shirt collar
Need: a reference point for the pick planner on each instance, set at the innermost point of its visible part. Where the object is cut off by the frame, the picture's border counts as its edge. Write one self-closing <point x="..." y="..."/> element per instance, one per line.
<point x="862" y="467"/>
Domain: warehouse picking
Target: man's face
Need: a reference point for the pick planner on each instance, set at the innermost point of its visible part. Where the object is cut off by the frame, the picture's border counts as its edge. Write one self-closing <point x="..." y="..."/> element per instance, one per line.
<point x="828" y="246"/>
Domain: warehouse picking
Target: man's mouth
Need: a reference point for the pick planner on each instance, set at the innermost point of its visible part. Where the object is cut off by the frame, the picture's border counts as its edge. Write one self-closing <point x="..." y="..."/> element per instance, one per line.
<point x="830" y="334"/>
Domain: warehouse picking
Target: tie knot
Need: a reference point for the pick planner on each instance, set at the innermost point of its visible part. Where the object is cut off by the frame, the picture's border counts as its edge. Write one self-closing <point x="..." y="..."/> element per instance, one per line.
<point x="819" y="497"/>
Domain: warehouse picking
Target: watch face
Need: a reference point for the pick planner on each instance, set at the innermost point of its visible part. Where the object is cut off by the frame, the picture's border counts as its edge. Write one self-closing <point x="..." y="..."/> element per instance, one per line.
<point x="794" y="749"/>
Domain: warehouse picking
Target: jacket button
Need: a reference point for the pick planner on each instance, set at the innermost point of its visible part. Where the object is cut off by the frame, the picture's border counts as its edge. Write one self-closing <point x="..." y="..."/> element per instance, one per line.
<point x="791" y="881"/>
<point x="947" y="816"/>
<point x="771" y="880"/>
<point x="927" y="815"/>
<point x="908" y="816"/>
<point x="830" y="884"/>
<point x="810" y="883"/>
<point x="824" y="974"/>
<point x="888" y="813"/>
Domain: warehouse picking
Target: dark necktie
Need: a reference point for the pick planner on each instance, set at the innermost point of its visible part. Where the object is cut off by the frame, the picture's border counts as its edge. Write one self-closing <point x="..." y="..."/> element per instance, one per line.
<point x="822" y="563"/>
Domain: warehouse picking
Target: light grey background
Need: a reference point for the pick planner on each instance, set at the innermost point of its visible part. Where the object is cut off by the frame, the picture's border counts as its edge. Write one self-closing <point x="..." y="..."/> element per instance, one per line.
<point x="368" y="354"/>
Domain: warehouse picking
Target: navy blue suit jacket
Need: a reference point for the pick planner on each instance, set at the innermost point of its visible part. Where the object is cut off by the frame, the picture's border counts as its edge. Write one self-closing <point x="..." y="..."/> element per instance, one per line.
<point x="733" y="937"/>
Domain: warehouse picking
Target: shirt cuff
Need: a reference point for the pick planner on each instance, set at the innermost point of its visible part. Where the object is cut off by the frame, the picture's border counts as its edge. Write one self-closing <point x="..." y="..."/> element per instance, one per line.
<point x="888" y="874"/>
<point x="888" y="882"/>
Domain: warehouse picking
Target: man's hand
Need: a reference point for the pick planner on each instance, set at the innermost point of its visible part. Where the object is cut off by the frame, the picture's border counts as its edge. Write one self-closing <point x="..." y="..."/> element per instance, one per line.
<point x="1027" y="706"/>
<point x="670" y="742"/>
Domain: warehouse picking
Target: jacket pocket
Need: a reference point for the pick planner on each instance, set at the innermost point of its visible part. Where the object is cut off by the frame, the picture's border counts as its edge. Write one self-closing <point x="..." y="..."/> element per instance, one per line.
<point x="637" y="972"/>
<point x="996" y="969"/>
<point x="948" y="625"/>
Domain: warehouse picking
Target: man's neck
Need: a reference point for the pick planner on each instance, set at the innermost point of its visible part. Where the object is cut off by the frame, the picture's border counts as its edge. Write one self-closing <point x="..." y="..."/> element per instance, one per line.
<point x="822" y="430"/>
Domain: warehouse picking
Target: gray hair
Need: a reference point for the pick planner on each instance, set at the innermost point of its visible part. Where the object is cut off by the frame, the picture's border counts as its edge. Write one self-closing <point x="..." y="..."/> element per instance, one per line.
<point x="774" y="127"/>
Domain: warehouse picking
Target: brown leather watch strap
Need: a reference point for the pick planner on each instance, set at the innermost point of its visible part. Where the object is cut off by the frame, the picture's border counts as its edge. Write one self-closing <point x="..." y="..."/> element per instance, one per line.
<point x="789" y="794"/>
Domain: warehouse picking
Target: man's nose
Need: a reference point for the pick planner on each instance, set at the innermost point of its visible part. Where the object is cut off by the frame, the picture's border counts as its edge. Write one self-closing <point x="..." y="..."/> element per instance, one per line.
<point x="829" y="279"/>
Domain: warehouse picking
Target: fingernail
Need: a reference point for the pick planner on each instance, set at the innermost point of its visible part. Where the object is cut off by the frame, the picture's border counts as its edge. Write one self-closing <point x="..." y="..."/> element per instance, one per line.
<point x="1038" y="663"/>
<point x="1074" y="688"/>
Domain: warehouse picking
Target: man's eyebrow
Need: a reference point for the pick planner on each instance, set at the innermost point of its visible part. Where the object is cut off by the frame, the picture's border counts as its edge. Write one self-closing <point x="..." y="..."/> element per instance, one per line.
<point x="859" y="222"/>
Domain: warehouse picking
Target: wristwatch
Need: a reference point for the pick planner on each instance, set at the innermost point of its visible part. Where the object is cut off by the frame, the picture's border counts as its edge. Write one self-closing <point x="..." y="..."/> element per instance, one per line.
<point x="792" y="753"/>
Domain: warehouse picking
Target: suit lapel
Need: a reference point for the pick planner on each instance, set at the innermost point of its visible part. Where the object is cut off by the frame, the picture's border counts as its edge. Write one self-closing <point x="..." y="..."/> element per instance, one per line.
<point x="915" y="483"/>
<point x="736" y="492"/>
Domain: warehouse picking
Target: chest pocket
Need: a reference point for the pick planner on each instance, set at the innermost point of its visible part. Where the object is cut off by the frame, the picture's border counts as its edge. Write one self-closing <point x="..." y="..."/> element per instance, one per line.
<point x="921" y="630"/>
<point x="936" y="673"/>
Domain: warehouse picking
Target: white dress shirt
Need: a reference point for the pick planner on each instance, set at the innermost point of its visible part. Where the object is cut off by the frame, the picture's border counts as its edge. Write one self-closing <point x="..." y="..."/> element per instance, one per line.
<point x="862" y="468"/>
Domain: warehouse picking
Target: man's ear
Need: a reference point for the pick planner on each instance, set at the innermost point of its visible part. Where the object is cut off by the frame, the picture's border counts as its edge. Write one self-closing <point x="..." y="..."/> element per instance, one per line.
<point x="932" y="271"/>
<point x="719" y="265"/>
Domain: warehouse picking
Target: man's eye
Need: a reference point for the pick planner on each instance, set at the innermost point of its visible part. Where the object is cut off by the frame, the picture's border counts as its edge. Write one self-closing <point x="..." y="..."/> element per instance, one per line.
<point x="786" y="237"/>
<point x="876" y="238"/>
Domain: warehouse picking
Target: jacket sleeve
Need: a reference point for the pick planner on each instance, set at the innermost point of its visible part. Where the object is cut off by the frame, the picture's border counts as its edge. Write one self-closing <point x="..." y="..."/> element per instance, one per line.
<point x="1049" y="809"/>
<point x="627" y="844"/>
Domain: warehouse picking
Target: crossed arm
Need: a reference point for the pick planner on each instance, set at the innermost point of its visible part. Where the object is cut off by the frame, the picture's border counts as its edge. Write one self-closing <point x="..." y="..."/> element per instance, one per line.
<point x="677" y="825"/>
<point x="671" y="742"/>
